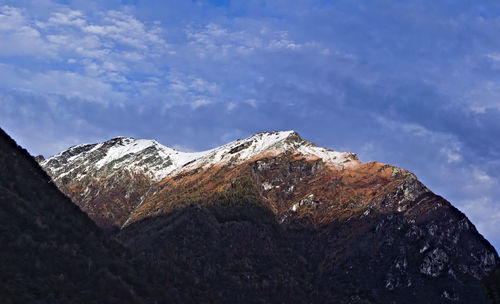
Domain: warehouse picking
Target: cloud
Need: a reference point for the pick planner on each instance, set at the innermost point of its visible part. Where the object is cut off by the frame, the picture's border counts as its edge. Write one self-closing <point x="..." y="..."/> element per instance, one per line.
<point x="127" y="30"/>
<point x="74" y="85"/>
<point x="69" y="17"/>
<point x="283" y="42"/>
<point x="484" y="97"/>
<point x="494" y="56"/>
<point x="481" y="176"/>
<point x="201" y="85"/>
<point x="200" y="103"/>
<point x="19" y="37"/>
<point x="251" y="102"/>
<point x="68" y="84"/>
<point x="452" y="154"/>
<point x="216" y="41"/>
<point x="87" y="56"/>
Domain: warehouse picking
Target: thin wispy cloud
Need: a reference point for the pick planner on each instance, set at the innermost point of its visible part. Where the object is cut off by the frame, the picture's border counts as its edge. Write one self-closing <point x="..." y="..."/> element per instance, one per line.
<point x="75" y="57"/>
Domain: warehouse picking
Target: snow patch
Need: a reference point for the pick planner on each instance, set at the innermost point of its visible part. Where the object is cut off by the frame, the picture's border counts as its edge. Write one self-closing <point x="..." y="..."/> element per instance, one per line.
<point x="140" y="155"/>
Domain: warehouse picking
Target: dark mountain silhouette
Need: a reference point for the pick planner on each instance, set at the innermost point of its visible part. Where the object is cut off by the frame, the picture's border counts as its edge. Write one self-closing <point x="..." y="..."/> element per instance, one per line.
<point x="53" y="253"/>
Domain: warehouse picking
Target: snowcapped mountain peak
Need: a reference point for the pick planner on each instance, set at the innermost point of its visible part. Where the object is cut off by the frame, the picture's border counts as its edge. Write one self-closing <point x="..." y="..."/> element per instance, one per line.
<point x="158" y="161"/>
<point x="270" y="144"/>
<point x="137" y="155"/>
<point x="274" y="137"/>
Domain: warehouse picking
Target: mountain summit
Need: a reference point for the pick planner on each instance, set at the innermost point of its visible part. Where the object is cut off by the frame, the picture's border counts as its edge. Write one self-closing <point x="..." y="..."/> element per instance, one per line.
<point x="109" y="180"/>
<point x="275" y="218"/>
<point x="149" y="156"/>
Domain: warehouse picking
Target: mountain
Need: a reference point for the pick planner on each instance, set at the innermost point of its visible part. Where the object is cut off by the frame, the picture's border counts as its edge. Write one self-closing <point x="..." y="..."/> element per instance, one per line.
<point x="275" y="219"/>
<point x="53" y="253"/>
<point x="110" y="180"/>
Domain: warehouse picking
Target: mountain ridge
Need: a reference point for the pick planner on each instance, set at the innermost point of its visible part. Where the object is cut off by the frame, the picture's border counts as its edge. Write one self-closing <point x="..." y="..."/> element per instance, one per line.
<point x="142" y="162"/>
<point x="260" y="142"/>
<point x="338" y="215"/>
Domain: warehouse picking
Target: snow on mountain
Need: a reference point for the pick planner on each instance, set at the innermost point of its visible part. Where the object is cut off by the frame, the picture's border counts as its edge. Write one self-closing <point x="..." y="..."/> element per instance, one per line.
<point x="271" y="144"/>
<point x="146" y="155"/>
<point x="149" y="156"/>
<point x="137" y="155"/>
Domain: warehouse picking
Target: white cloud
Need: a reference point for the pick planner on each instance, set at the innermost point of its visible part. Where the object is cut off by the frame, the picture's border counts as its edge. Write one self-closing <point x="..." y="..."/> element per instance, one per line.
<point x="190" y="89"/>
<point x="452" y="153"/>
<point x="202" y="85"/>
<point x="115" y="37"/>
<point x="18" y="35"/>
<point x="494" y="56"/>
<point x="217" y="41"/>
<point x="127" y="30"/>
<point x="75" y="85"/>
<point x="483" y="96"/>
<point x="102" y="52"/>
<point x="54" y="82"/>
<point x="200" y="103"/>
<point x="283" y="42"/>
<point x="481" y="176"/>
<point x="251" y="102"/>
<point x="68" y="17"/>
<point x="177" y="85"/>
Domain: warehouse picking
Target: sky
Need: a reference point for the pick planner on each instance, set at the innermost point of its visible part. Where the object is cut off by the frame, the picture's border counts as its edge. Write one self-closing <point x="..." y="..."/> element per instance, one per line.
<point x="415" y="84"/>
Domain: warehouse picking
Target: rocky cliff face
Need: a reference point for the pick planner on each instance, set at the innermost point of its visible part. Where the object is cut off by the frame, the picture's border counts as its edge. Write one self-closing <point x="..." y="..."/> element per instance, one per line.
<point x="276" y="216"/>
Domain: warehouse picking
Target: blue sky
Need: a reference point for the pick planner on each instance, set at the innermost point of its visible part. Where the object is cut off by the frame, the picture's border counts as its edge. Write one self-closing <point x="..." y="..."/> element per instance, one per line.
<point x="411" y="83"/>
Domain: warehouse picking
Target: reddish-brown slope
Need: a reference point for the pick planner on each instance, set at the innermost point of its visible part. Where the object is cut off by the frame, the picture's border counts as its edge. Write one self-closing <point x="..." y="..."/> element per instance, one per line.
<point x="108" y="200"/>
<point x="286" y="180"/>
